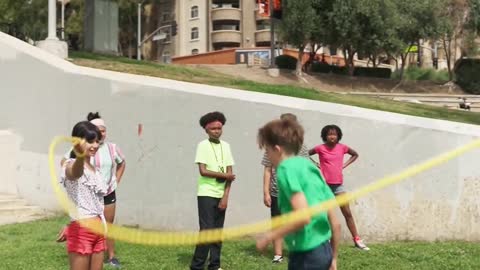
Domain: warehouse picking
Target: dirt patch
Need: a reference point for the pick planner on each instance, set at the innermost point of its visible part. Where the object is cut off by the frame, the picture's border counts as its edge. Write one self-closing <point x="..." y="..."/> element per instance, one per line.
<point x="333" y="82"/>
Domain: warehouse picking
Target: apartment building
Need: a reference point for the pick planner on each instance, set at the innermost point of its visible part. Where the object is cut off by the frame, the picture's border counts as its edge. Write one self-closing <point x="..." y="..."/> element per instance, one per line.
<point x="209" y="25"/>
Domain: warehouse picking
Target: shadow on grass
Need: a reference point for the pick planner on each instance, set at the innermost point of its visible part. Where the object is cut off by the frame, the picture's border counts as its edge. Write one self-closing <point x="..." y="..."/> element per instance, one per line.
<point x="185" y="257"/>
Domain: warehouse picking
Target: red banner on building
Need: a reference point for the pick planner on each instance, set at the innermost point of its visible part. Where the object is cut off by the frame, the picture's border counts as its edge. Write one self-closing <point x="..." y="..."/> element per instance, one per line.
<point x="277" y="5"/>
<point x="264" y="8"/>
<point x="277" y="9"/>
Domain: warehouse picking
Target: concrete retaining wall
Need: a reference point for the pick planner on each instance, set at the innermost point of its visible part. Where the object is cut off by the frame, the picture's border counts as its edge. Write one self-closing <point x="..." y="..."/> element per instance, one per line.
<point x="43" y="96"/>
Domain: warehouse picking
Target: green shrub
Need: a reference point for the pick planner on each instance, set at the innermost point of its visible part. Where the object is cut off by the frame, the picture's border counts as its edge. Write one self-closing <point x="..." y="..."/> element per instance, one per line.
<point x="339" y="70"/>
<point x="414" y="73"/>
<point x="441" y="76"/>
<point x="467" y="75"/>
<point x="286" y="62"/>
<point x="359" y="71"/>
<point x="321" y="68"/>
<point x="373" y="72"/>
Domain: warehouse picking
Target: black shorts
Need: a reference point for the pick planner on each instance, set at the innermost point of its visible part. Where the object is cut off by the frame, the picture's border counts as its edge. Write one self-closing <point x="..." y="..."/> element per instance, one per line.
<point x="110" y="198"/>
<point x="274" y="210"/>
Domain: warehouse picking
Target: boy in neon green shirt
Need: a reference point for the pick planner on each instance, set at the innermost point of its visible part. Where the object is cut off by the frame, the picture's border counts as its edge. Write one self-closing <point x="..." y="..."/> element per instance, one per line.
<point x="313" y="240"/>
<point x="215" y="161"/>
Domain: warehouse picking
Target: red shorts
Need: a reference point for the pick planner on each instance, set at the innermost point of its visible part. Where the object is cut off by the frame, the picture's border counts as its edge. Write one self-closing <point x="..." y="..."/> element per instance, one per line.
<point x="82" y="241"/>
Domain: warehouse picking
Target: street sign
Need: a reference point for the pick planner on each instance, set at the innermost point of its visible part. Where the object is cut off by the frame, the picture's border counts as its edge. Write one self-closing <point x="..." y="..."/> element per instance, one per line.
<point x="159" y="36"/>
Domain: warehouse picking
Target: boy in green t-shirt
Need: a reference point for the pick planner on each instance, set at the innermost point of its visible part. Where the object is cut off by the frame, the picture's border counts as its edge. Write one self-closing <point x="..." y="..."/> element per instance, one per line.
<point x="312" y="241"/>
<point x="215" y="161"/>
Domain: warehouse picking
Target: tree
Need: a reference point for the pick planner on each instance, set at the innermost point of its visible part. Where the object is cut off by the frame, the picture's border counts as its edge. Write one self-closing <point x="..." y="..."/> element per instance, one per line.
<point x="127" y="10"/>
<point x="379" y="21"/>
<point x="359" y="26"/>
<point x="74" y="17"/>
<point x="345" y="23"/>
<point x="472" y="27"/>
<point x="24" y="19"/>
<point x="418" y="20"/>
<point x="297" y="26"/>
<point x="452" y="29"/>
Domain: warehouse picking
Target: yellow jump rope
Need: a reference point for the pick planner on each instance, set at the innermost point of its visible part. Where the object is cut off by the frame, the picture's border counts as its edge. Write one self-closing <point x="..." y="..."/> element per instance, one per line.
<point x="143" y="237"/>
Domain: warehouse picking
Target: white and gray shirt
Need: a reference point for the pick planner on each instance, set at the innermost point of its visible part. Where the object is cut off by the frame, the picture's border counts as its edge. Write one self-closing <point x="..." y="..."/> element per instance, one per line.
<point x="273" y="179"/>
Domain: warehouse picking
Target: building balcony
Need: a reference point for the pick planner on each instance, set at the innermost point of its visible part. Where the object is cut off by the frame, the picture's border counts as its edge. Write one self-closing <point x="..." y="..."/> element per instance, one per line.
<point x="262" y="36"/>
<point x="223" y="14"/>
<point x="227" y="36"/>
<point x="259" y="17"/>
<point x="225" y="4"/>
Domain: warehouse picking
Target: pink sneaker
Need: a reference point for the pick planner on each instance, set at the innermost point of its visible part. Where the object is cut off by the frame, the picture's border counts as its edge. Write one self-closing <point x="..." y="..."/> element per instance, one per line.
<point x="359" y="243"/>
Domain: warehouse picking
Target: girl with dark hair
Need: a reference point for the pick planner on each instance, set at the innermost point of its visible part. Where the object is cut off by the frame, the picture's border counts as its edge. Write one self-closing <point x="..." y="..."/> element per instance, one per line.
<point x="331" y="155"/>
<point x="111" y="163"/>
<point x="85" y="188"/>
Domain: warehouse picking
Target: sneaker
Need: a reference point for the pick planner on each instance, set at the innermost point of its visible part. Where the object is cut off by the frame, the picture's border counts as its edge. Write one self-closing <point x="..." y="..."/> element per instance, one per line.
<point x="114" y="262"/>
<point x="359" y="243"/>
<point x="277" y="259"/>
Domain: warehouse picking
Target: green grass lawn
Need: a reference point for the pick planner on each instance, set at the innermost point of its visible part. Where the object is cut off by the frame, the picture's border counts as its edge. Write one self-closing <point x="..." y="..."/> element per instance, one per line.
<point x="32" y="246"/>
<point x="198" y="75"/>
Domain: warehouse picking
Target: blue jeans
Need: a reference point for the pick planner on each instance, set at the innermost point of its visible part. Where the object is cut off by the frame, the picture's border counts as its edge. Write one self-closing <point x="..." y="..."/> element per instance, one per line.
<point x="319" y="258"/>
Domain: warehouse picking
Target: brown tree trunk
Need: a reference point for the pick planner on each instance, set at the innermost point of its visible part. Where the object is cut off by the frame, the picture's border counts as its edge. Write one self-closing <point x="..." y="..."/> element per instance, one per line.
<point x="348" y="56"/>
<point x="447" y="47"/>
<point x="151" y="22"/>
<point x="404" y="56"/>
<point x="298" y="71"/>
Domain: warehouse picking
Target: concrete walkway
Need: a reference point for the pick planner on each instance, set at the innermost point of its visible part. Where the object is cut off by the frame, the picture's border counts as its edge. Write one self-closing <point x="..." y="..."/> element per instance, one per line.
<point x="441" y="100"/>
<point x="16" y="210"/>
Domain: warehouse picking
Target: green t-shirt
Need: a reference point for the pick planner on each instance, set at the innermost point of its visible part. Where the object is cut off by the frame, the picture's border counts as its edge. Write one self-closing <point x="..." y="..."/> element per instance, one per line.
<point x="216" y="157"/>
<point x="297" y="174"/>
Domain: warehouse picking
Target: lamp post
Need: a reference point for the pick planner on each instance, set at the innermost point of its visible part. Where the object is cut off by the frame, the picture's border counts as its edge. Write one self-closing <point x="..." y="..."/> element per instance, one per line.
<point x="52" y="44"/>
<point x="272" y="35"/>
<point x="52" y="20"/>
<point x="139" y="30"/>
<point x="62" y="19"/>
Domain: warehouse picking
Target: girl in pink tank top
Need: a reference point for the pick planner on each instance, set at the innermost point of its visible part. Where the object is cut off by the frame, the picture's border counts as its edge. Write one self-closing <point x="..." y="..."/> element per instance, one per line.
<point x="331" y="156"/>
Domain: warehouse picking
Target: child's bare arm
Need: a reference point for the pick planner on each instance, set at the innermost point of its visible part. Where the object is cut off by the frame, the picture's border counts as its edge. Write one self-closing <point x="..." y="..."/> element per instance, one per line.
<point x="228" y="185"/>
<point x="267" y="174"/>
<point x="120" y="170"/>
<point x="298" y="202"/>
<point x="353" y="156"/>
<point x="312" y="152"/>
<point x="74" y="170"/>
<point x="207" y="173"/>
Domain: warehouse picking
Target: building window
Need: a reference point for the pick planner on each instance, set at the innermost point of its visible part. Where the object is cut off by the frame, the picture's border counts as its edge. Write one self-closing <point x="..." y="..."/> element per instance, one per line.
<point x="333" y="51"/>
<point x="166" y="17"/>
<point x="168" y="36"/>
<point x="166" y="57"/>
<point x="195" y="51"/>
<point x="194" y="34"/>
<point x="194" y="12"/>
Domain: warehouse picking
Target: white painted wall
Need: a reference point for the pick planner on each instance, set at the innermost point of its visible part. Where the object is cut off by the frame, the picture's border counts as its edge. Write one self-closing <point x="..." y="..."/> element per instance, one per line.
<point x="10" y="146"/>
<point x="43" y="96"/>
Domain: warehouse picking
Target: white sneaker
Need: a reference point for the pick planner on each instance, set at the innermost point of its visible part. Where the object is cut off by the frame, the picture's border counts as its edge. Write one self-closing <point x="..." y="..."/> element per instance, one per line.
<point x="277" y="259"/>
<point x="359" y="244"/>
